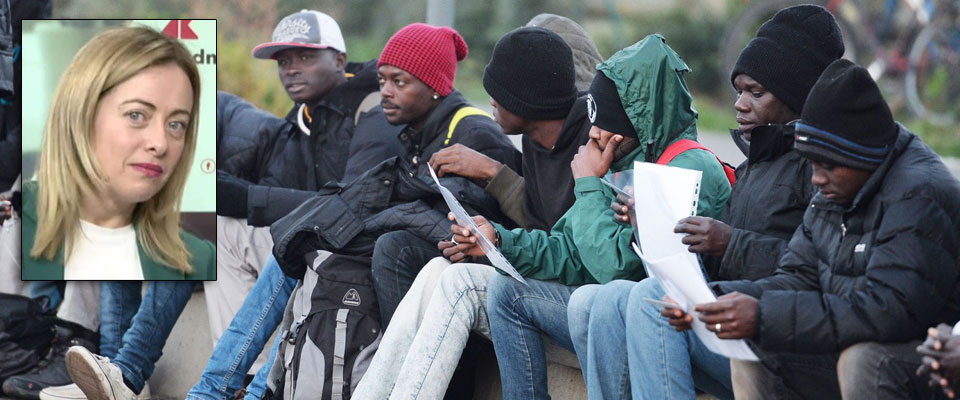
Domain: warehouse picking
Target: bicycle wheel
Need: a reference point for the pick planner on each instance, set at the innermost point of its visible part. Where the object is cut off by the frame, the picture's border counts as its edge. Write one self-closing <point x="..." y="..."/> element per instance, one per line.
<point x="932" y="82"/>
<point x="737" y="35"/>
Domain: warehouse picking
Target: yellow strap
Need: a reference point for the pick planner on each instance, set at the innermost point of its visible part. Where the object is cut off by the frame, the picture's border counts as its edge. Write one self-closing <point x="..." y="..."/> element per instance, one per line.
<point x="461" y="114"/>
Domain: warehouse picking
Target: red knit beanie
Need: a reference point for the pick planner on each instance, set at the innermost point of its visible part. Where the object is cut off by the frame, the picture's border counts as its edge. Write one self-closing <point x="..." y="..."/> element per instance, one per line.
<point x="427" y="52"/>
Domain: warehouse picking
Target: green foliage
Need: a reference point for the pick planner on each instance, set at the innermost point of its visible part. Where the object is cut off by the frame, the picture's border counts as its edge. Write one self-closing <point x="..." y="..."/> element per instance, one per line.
<point x="253" y="79"/>
<point x="694" y="36"/>
<point x="945" y="140"/>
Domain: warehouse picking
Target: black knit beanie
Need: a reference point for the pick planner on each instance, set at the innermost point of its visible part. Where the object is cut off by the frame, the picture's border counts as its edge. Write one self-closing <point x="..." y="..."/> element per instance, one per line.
<point x="531" y="74"/>
<point x="790" y="51"/>
<point x="845" y="120"/>
<point x="605" y="109"/>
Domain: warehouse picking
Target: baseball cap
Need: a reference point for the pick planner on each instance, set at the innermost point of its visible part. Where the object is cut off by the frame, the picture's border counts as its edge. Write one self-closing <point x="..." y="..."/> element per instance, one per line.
<point x="307" y="28"/>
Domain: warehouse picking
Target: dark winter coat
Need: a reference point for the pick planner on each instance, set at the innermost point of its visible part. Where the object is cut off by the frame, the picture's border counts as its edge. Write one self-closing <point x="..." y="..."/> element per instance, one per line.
<point x="477" y="132"/>
<point x="883" y="268"/>
<point x="348" y="219"/>
<point x="311" y="160"/>
<point x="766" y="205"/>
<point x="248" y="138"/>
<point x="398" y="194"/>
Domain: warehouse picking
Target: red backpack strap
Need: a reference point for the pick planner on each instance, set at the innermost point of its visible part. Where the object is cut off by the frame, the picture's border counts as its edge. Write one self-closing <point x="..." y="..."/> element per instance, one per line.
<point x="682" y="145"/>
<point x="675" y="148"/>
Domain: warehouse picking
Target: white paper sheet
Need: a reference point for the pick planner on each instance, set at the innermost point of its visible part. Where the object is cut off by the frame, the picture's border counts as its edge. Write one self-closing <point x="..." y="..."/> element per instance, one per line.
<point x="685" y="284"/>
<point x="463" y="219"/>
<point x="662" y="196"/>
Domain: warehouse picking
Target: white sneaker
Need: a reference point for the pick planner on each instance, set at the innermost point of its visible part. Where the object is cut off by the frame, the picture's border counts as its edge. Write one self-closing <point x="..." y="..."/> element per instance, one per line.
<point x="66" y="392"/>
<point x="98" y="378"/>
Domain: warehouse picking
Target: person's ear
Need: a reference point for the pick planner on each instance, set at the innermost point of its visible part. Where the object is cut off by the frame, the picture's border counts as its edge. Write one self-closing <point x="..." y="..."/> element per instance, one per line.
<point x="341" y="61"/>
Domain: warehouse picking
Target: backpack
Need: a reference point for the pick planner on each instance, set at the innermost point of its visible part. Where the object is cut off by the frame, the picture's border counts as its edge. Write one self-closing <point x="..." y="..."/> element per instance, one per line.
<point x="682" y="145"/>
<point x="330" y="331"/>
<point x="462" y="113"/>
<point x="27" y="330"/>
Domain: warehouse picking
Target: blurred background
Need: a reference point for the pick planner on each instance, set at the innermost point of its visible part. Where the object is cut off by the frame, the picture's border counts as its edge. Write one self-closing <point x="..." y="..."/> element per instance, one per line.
<point x="880" y="34"/>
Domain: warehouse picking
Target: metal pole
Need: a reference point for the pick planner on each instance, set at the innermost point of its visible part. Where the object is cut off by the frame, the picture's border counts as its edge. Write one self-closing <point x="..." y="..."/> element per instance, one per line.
<point x="440" y="12"/>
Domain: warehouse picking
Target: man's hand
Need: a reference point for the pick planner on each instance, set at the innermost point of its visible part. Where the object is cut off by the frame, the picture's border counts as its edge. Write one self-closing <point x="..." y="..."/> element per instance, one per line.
<point x="736" y="314"/>
<point x="590" y="161"/>
<point x="705" y="235"/>
<point x="464" y="161"/>
<point x="941" y="359"/>
<point x="6" y="208"/>
<point x="452" y="251"/>
<point x="467" y="243"/>
<point x="622" y="207"/>
<point x="680" y="320"/>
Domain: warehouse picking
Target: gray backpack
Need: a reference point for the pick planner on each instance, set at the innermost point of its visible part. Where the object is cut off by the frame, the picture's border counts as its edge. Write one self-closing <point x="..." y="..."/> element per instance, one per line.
<point x="331" y="329"/>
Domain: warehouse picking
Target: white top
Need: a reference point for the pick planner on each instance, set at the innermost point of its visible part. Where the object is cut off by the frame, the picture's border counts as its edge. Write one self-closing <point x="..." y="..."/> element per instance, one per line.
<point x="100" y="253"/>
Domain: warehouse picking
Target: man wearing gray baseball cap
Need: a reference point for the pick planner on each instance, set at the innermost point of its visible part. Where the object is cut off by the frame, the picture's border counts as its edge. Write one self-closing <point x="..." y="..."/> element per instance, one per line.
<point x="330" y="96"/>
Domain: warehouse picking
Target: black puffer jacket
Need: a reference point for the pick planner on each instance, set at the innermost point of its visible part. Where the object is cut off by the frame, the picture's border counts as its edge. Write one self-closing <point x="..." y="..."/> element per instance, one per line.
<point x="883" y="268"/>
<point x="267" y="205"/>
<point x="397" y="194"/>
<point x="311" y="160"/>
<point x="766" y="205"/>
<point x="476" y="132"/>
<point x="248" y="138"/>
<point x="348" y="219"/>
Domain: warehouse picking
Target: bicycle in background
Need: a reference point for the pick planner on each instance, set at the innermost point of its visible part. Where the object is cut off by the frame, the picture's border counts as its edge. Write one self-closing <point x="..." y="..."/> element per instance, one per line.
<point x="910" y="47"/>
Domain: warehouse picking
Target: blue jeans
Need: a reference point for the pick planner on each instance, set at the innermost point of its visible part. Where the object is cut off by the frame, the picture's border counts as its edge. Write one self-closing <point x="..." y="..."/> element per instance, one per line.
<point x="249" y="331"/>
<point x="518" y="315"/>
<point x="661" y="363"/>
<point x="604" y="381"/>
<point x="133" y="332"/>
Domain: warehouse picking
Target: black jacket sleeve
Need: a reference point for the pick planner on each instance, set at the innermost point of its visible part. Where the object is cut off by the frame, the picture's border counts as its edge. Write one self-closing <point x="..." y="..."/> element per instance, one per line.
<point x="910" y="277"/>
<point x="267" y="204"/>
<point x="231" y="195"/>
<point x="797" y="271"/>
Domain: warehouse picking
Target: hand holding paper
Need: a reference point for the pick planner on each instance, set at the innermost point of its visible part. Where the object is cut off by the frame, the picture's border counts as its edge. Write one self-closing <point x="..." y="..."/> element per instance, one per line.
<point x="466" y="240"/>
<point x="668" y="195"/>
<point x="684" y="283"/>
<point x="464" y="220"/>
<point x="732" y="316"/>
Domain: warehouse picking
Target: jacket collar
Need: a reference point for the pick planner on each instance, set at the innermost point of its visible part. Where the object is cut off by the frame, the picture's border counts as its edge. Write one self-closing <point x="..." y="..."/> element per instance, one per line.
<point x="432" y="127"/>
<point x="767" y="142"/>
<point x="361" y="78"/>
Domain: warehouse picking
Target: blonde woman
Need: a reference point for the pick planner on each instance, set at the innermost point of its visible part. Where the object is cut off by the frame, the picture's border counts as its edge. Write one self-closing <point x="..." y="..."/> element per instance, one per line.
<point x="115" y="157"/>
<point x="116" y="153"/>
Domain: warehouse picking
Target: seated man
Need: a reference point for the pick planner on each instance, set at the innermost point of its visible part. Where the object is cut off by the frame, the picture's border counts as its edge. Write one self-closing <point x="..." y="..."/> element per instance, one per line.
<point x="265" y="161"/>
<point x="767" y="204"/>
<point x="586" y="245"/>
<point x="873" y="263"/>
<point x="420" y="103"/>
<point x="539" y="101"/>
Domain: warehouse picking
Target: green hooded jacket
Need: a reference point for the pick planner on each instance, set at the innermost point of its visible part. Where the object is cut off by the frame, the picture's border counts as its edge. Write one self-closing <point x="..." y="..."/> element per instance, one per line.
<point x="587" y="245"/>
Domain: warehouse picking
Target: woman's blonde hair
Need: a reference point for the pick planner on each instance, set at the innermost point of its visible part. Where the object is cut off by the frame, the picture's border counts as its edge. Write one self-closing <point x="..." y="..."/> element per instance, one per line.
<point x="68" y="165"/>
